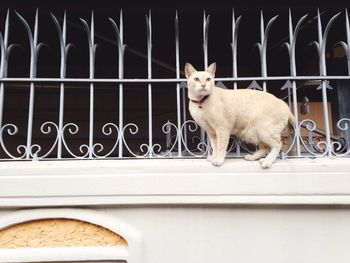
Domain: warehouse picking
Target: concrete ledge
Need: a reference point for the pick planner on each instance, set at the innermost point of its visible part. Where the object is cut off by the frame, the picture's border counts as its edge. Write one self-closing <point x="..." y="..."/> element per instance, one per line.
<point x="174" y="181"/>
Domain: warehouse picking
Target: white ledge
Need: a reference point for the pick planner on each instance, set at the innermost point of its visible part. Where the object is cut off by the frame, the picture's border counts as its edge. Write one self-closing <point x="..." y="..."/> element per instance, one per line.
<point x="323" y="181"/>
<point x="63" y="254"/>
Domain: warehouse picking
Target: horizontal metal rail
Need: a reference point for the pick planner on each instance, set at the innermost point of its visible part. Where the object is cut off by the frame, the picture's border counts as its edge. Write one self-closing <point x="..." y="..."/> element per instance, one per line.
<point x="174" y="80"/>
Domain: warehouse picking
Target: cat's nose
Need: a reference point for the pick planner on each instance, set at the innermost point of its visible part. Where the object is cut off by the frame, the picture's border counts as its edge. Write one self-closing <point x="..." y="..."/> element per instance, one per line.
<point x="203" y="86"/>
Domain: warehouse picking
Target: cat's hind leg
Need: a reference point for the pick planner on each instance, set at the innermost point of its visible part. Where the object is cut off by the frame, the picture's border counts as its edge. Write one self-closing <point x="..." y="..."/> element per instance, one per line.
<point x="275" y="145"/>
<point x="212" y="139"/>
<point x="258" y="154"/>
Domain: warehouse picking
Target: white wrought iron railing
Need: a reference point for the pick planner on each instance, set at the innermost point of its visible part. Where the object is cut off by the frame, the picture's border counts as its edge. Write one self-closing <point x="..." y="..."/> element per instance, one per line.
<point x="183" y="137"/>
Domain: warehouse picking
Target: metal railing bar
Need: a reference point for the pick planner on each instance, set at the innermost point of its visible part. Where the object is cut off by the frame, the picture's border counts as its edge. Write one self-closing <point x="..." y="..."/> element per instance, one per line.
<point x="128" y="48"/>
<point x="166" y="80"/>
<point x="307" y="24"/>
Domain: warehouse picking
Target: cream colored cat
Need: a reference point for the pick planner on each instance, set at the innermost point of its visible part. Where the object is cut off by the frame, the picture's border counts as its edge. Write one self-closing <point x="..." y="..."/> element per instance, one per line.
<point x="255" y="117"/>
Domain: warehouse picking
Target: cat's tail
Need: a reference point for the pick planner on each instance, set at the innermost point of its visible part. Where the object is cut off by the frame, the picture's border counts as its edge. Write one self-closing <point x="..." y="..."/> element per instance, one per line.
<point x="291" y="120"/>
<point x="291" y="131"/>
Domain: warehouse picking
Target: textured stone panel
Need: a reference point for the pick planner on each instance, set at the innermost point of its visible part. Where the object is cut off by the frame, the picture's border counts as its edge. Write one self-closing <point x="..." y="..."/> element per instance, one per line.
<point x="58" y="233"/>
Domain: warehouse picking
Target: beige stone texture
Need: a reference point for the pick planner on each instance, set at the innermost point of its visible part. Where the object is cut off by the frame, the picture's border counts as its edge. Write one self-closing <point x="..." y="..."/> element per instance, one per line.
<point x="58" y="233"/>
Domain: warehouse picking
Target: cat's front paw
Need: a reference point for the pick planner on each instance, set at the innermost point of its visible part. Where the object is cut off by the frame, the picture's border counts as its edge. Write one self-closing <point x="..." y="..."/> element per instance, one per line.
<point x="265" y="163"/>
<point x="217" y="161"/>
<point x="210" y="158"/>
<point x="249" y="157"/>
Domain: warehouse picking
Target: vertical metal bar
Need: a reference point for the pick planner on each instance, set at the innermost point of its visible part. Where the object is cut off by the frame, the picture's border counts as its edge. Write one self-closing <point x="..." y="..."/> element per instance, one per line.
<point x="263" y="51"/>
<point x="2" y="94"/>
<point x="62" y="75"/>
<point x="33" y="65"/>
<point x="3" y="67"/>
<point x="234" y="54"/>
<point x="205" y="39"/>
<point x="168" y="135"/>
<point x="296" y="116"/>
<point x="91" y="75"/>
<point x="347" y="27"/>
<point x="289" y="99"/>
<point x="264" y="34"/>
<point x="322" y="40"/>
<point x="310" y="141"/>
<point x="235" y="25"/>
<point x="178" y="102"/>
<point x="293" y="72"/>
<point x="121" y="87"/>
<point x="121" y="49"/>
<point x="184" y="113"/>
<point x="30" y="119"/>
<point x="149" y="75"/>
<point x="60" y="121"/>
<point x="319" y="37"/>
<point x="205" y="53"/>
<point x="347" y="135"/>
<point x="294" y="86"/>
<point x="325" y="117"/>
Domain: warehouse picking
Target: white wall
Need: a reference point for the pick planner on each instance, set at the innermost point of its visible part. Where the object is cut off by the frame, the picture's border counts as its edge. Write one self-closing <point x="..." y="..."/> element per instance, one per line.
<point x="296" y="212"/>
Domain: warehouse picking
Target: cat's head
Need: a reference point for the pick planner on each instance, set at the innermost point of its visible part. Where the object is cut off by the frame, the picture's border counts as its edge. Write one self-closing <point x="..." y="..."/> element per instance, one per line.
<point x="199" y="83"/>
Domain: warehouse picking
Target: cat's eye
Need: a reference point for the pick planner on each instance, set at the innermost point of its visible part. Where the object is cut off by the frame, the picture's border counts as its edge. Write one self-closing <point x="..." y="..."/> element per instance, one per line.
<point x="208" y="79"/>
<point x="196" y="79"/>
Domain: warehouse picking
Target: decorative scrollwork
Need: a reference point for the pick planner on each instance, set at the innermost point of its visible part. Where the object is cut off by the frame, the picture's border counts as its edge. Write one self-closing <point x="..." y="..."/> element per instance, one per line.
<point x="343" y="125"/>
<point x="234" y="142"/>
<point x="133" y="129"/>
<point x="166" y="128"/>
<point x="73" y="129"/>
<point x="154" y="150"/>
<point x="320" y="147"/>
<point x="12" y="130"/>
<point x="46" y="128"/>
<point x="107" y="130"/>
<point x="34" y="150"/>
<point x="202" y="147"/>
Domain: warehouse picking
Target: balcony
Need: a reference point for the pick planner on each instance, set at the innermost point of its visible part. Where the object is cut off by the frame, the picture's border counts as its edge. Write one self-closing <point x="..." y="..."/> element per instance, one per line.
<point x="98" y="131"/>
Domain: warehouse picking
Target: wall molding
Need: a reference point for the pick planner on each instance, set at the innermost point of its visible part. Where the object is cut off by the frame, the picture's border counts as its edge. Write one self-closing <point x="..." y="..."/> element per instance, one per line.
<point x="132" y="253"/>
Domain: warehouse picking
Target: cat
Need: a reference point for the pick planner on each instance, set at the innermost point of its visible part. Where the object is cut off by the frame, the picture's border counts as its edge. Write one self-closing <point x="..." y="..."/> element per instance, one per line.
<point x="254" y="116"/>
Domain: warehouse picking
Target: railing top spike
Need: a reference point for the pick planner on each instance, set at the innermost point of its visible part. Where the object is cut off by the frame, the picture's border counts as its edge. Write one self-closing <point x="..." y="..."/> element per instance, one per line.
<point x="64" y="29"/>
<point x="7" y="25"/>
<point x="319" y="26"/>
<point x="28" y="30"/>
<point x="36" y="26"/>
<point x="92" y="27"/>
<point x="347" y="26"/>
<point x="262" y="26"/>
<point x="121" y="22"/>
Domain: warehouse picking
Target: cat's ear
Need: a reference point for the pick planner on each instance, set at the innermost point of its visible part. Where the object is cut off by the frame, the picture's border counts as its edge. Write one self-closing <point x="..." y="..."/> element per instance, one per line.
<point x="189" y="70"/>
<point x="211" y="69"/>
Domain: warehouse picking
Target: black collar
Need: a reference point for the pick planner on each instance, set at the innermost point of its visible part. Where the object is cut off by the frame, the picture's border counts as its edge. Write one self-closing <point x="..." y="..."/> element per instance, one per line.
<point x="200" y="101"/>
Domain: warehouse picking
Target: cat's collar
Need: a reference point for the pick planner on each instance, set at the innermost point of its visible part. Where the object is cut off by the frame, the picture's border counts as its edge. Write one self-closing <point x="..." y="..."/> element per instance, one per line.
<point x="200" y="101"/>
